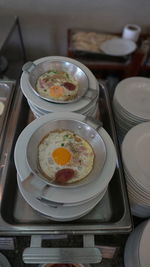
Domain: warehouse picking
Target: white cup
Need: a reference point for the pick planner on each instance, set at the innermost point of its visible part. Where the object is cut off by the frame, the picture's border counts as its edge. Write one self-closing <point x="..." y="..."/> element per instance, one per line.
<point x="131" y="32"/>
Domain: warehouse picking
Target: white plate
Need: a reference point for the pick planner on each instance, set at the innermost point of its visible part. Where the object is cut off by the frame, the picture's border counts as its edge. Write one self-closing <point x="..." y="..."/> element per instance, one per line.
<point x="41" y="112"/>
<point x="63" y="213"/>
<point x="133" y="94"/>
<point x="52" y="107"/>
<point x="144" y="254"/>
<point x="71" y="195"/>
<point x="136" y="196"/>
<point x="139" y="210"/>
<point x="35" y="109"/>
<point x="131" y="252"/>
<point x="118" y="47"/>
<point x="136" y="154"/>
<point x="3" y="261"/>
<point x="83" y="111"/>
<point x="136" y="187"/>
<point x="129" y="117"/>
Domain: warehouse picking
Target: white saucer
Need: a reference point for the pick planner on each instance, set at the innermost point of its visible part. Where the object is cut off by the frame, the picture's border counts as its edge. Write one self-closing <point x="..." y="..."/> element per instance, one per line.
<point x="118" y="47"/>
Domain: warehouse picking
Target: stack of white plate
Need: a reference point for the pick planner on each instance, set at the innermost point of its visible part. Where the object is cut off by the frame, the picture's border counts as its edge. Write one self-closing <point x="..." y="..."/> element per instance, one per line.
<point x="136" y="155"/>
<point x="131" y="103"/>
<point x="137" y="247"/>
<point x="64" y="203"/>
<point x="3" y="261"/>
<point x="86" y="105"/>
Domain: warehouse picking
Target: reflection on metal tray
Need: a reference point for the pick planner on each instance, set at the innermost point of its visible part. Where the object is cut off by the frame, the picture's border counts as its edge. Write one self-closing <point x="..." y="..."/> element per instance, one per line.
<point x="6" y="93"/>
<point x="111" y="215"/>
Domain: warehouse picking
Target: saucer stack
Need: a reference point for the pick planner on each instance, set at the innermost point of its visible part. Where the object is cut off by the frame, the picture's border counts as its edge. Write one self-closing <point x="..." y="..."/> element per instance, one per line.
<point x="70" y="202"/>
<point x="131" y="103"/>
<point x="137" y="247"/>
<point x="135" y="156"/>
<point x="86" y="105"/>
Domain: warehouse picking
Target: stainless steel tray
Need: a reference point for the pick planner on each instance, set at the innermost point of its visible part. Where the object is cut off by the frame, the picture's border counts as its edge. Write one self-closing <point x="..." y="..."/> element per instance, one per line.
<point x="111" y="215"/>
<point x="6" y="94"/>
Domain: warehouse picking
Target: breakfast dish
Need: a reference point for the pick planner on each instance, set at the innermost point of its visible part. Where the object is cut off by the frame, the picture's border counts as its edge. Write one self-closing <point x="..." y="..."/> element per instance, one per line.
<point x="56" y="80"/>
<point x="59" y="85"/>
<point x="80" y="106"/>
<point x="65" y="194"/>
<point x="65" y="157"/>
<point x="89" y="41"/>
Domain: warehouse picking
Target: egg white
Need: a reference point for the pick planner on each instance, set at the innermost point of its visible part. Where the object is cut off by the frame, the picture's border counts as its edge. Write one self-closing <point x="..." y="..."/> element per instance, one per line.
<point x="82" y="155"/>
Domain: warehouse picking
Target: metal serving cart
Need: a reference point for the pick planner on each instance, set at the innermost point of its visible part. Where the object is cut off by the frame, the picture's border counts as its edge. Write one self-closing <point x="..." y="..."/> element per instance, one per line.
<point x="110" y="217"/>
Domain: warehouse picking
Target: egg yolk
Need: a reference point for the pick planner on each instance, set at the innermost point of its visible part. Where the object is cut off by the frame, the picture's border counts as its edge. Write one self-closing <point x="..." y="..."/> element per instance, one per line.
<point x="61" y="156"/>
<point x="56" y="91"/>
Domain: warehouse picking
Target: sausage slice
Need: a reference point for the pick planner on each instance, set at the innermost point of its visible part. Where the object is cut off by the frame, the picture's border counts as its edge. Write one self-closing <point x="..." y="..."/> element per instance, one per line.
<point x="64" y="175"/>
<point x="69" y="86"/>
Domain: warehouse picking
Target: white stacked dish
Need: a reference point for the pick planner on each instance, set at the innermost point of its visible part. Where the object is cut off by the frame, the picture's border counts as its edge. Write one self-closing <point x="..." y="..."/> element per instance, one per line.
<point x="59" y="212"/>
<point x="4" y="261"/>
<point x="64" y="203"/>
<point x="86" y="103"/>
<point x="137" y="247"/>
<point x="131" y="103"/>
<point x="136" y="155"/>
<point x="118" y="47"/>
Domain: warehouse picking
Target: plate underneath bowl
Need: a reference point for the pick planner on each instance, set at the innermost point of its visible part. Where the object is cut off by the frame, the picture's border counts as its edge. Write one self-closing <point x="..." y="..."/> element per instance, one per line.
<point x="66" y="213"/>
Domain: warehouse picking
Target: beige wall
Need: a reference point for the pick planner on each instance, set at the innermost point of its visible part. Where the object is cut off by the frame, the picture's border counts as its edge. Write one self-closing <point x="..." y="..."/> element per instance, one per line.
<point x="44" y="23"/>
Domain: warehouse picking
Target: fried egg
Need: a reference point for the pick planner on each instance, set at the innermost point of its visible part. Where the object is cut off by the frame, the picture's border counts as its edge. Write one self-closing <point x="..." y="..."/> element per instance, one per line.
<point x="57" y="85"/>
<point x="65" y="155"/>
